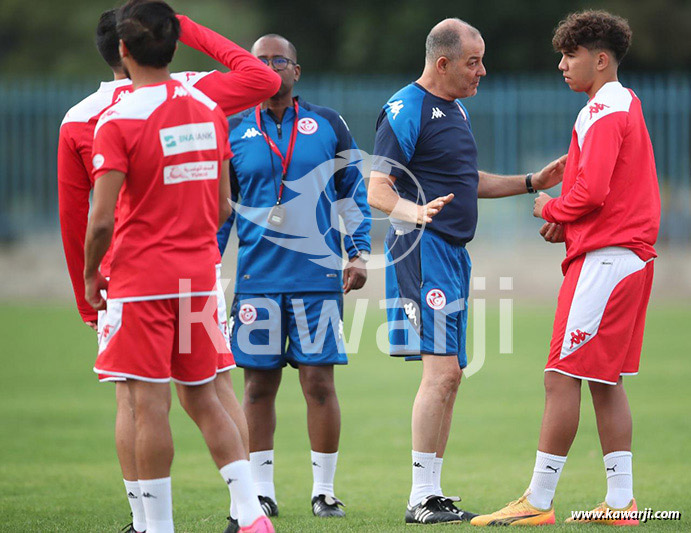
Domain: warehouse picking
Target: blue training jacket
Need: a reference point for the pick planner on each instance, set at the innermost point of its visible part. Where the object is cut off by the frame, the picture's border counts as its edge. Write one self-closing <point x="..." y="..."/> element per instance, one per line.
<point x="304" y="253"/>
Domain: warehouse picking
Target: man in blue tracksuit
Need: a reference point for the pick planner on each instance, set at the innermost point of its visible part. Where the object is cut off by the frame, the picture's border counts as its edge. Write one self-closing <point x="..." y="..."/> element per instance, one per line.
<point x="289" y="185"/>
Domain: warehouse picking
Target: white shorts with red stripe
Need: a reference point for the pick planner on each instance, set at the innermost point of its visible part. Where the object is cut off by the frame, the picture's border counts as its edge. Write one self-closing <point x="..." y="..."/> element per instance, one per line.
<point x="600" y="319"/>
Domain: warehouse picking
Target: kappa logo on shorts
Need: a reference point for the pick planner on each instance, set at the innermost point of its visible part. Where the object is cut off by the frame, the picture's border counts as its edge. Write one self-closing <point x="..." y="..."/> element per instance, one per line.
<point x="308" y="126"/>
<point x="411" y="312"/>
<point x="436" y="299"/>
<point x="105" y="333"/>
<point x="247" y="314"/>
<point x="231" y="325"/>
<point x="578" y="337"/>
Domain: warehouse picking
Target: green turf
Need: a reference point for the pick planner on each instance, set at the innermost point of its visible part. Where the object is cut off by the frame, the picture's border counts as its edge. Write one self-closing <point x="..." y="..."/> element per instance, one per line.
<point x="58" y="470"/>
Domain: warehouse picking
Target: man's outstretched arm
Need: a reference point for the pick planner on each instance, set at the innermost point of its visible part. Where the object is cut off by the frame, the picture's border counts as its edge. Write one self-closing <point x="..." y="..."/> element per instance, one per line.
<point x="498" y="186"/>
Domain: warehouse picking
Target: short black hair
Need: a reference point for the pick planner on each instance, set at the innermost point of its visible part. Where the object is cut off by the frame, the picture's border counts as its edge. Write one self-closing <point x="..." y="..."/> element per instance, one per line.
<point x="291" y="46"/>
<point x="107" y="38"/>
<point x="150" y="31"/>
<point x="594" y="30"/>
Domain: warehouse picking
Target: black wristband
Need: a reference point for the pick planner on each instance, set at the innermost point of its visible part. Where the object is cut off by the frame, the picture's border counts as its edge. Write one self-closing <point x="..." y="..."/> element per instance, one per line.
<point x="529" y="183"/>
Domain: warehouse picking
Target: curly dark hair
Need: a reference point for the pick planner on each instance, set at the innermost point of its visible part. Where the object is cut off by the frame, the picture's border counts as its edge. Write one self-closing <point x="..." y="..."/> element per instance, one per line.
<point x="594" y="30"/>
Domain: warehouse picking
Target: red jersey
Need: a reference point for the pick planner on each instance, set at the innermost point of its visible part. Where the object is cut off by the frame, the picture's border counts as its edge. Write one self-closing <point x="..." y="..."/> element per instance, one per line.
<point x="610" y="194"/>
<point x="247" y="84"/>
<point x="170" y="141"/>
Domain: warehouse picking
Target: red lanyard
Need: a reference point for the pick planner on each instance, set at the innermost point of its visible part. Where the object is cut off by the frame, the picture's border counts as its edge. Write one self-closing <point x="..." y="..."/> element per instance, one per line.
<point x="285" y="161"/>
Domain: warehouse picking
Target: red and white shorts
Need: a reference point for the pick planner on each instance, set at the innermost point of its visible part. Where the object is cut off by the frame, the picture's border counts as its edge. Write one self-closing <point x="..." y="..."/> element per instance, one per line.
<point x="159" y="340"/>
<point x="225" y="358"/>
<point x="598" y="328"/>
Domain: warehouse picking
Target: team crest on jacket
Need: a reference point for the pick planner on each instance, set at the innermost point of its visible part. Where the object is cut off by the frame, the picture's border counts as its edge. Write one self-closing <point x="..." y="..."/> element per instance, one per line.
<point x="308" y="126"/>
<point x="436" y="299"/>
<point x="247" y="314"/>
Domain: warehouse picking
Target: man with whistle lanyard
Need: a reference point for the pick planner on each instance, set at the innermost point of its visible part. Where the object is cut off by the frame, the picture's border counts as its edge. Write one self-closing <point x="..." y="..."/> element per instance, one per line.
<point x="288" y="304"/>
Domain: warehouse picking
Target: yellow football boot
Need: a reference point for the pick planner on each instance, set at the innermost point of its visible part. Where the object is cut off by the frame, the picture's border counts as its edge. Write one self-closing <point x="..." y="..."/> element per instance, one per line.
<point x="517" y="513"/>
<point x="604" y="514"/>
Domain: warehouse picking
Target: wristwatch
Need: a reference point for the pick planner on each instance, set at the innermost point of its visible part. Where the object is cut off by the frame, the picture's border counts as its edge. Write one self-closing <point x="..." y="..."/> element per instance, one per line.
<point x="529" y="183"/>
<point x="362" y="256"/>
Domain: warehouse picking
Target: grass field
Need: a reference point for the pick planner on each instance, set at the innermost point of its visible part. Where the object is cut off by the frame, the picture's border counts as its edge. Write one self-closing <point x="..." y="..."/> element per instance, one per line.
<point x="58" y="470"/>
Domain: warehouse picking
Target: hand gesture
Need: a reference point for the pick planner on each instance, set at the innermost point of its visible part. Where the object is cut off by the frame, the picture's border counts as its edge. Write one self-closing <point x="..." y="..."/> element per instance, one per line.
<point x="430" y="209"/>
<point x="550" y="176"/>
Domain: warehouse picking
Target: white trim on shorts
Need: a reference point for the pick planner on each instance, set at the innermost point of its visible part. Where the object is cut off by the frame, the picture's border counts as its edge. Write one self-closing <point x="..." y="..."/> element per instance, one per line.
<point x="590" y="379"/>
<point x="155" y="380"/>
<point x="112" y="379"/>
<point x="225" y="369"/>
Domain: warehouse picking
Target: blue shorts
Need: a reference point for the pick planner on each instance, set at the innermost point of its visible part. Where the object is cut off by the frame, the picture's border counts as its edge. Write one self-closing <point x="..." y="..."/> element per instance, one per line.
<point x="427" y="285"/>
<point x="269" y="331"/>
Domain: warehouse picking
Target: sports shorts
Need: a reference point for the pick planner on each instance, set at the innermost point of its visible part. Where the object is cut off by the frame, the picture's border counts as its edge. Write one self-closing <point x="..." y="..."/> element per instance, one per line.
<point x="163" y="339"/>
<point x="427" y="286"/>
<point x="600" y="318"/>
<point x="269" y="331"/>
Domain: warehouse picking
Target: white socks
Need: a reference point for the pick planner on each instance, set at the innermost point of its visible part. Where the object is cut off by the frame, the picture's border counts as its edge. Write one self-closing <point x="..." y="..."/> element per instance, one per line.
<point x="134" y="497"/>
<point x="158" y="504"/>
<point x="438" y="463"/>
<point x="619" y="479"/>
<point x="423" y="477"/>
<point x="323" y="472"/>
<point x="546" y="475"/>
<point x="262" y="464"/>
<point x="238" y="477"/>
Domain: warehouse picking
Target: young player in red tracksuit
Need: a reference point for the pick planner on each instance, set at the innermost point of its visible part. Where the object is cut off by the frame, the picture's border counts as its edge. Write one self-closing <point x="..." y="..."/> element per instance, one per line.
<point x="608" y="214"/>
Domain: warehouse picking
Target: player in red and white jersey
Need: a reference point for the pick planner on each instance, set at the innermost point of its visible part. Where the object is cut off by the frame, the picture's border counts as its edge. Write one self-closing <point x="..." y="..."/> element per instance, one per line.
<point x="167" y="144"/>
<point x="609" y="215"/>
<point x="247" y="83"/>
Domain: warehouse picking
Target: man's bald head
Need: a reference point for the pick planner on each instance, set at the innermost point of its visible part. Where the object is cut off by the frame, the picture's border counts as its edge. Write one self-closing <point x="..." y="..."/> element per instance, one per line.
<point x="446" y="39"/>
<point x="292" y="52"/>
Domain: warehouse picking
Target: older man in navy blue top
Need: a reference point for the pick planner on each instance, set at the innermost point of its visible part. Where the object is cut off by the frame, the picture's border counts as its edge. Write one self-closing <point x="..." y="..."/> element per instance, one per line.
<point x="425" y="177"/>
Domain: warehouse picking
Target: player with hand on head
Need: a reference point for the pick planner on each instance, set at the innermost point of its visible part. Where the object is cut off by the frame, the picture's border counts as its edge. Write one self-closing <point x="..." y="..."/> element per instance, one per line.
<point x="244" y="85"/>
<point x="609" y="215"/>
<point x="167" y="144"/>
<point x="425" y="128"/>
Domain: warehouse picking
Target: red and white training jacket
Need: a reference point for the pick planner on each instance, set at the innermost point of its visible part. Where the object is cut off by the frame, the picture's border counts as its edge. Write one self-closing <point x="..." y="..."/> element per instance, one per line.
<point x="247" y="84"/>
<point x="610" y="194"/>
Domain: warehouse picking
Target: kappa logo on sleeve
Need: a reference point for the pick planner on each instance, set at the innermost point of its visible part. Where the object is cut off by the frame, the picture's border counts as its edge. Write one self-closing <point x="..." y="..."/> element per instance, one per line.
<point x="596" y="108"/>
<point x="188" y="138"/>
<point x="395" y="107"/>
